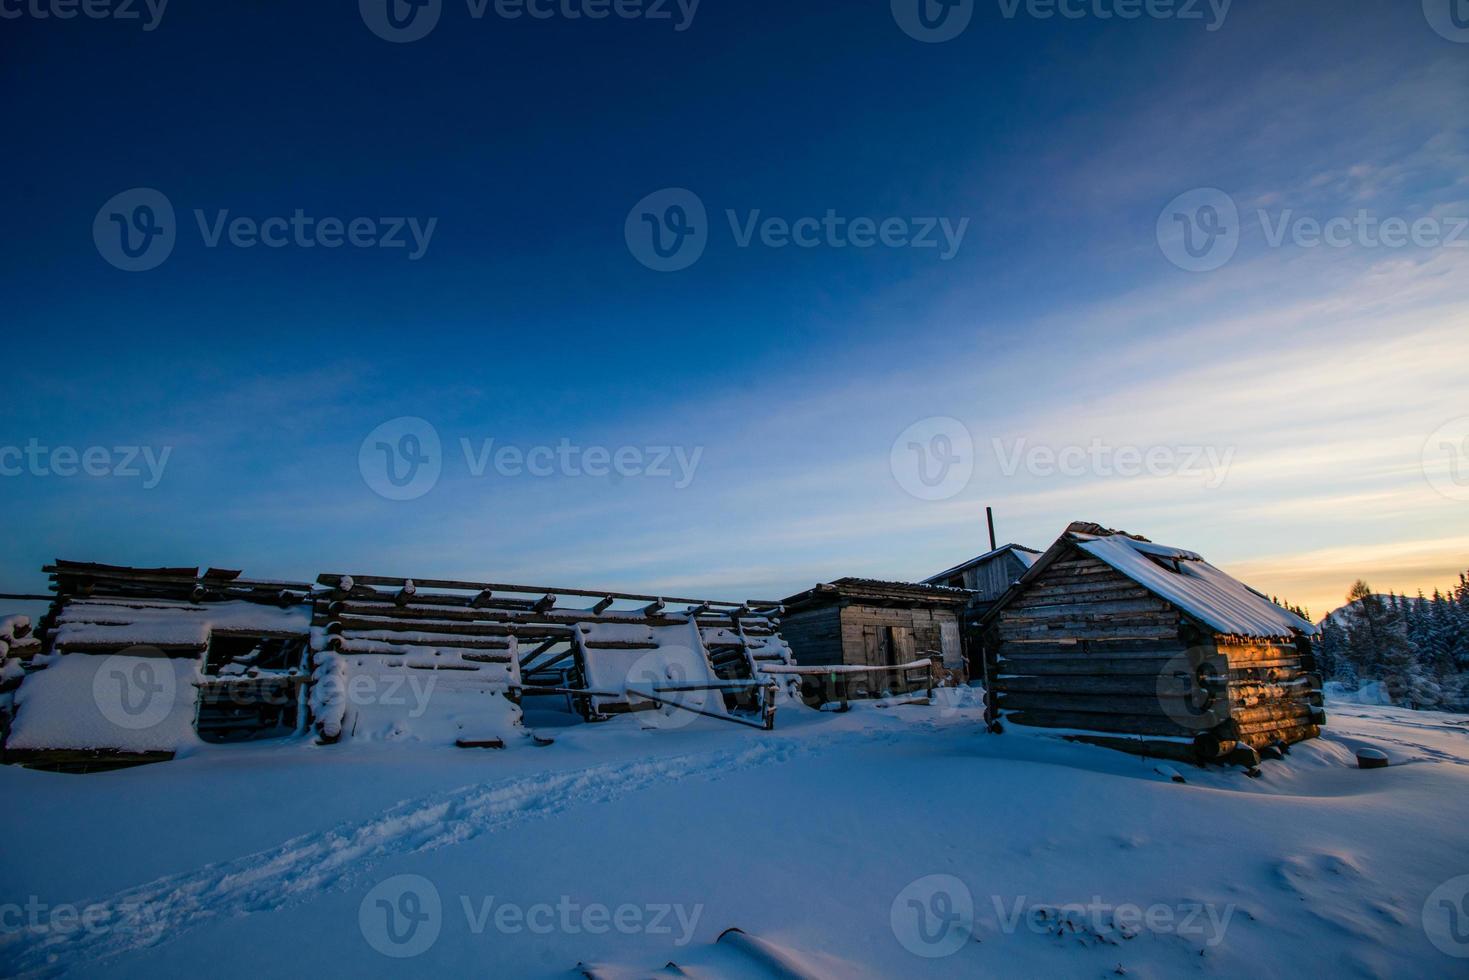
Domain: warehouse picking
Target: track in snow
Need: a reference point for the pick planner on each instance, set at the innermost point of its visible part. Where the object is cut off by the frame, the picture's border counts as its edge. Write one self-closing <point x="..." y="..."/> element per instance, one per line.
<point x="160" y="910"/>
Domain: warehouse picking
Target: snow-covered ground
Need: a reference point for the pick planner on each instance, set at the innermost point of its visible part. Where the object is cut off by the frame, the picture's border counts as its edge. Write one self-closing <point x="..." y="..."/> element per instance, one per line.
<point x="881" y="842"/>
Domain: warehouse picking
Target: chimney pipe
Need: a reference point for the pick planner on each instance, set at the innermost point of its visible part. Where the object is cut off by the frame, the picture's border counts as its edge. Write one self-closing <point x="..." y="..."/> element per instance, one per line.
<point x="989" y="516"/>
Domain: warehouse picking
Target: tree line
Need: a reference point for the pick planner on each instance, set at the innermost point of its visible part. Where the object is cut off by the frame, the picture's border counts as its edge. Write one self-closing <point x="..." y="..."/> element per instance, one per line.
<point x="1416" y="648"/>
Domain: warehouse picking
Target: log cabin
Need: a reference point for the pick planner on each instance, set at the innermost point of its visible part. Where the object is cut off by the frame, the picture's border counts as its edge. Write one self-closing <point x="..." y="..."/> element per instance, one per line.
<point x="1150" y="649"/>
<point x="881" y="638"/>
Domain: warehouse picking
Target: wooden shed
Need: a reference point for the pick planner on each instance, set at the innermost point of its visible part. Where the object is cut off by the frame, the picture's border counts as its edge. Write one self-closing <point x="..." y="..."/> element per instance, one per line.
<point x="986" y="577"/>
<point x="891" y="637"/>
<point x="1149" y="649"/>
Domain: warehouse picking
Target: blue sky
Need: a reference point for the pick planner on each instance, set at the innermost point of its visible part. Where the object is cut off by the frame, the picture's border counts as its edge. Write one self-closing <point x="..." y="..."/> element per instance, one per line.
<point x="1320" y="373"/>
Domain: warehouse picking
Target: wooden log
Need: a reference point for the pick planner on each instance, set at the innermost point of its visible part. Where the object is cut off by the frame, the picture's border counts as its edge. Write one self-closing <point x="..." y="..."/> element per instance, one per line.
<point x="480" y="743"/>
<point x="1286" y="711"/>
<point x="1115" y="704"/>
<point x="621" y="645"/>
<point x="1211" y="746"/>
<point x="1265" y="732"/>
<point x="1165" y="684"/>
<point x="453" y="585"/>
<point x="1033" y="610"/>
<point x="1115" y="723"/>
<point x="1243" y="755"/>
<point x="1049" y="666"/>
<point x="1370" y="758"/>
<point x="1085" y="630"/>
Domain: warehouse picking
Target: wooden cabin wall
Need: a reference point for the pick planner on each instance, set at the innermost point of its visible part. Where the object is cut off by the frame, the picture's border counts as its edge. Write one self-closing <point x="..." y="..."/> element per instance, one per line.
<point x="1085" y="647"/>
<point x="814" y="635"/>
<point x="1274" y="692"/>
<point x="993" y="578"/>
<point x="916" y="632"/>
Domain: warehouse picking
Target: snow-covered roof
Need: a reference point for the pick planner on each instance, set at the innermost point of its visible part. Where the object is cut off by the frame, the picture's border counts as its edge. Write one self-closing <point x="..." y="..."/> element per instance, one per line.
<point x="117" y="622"/>
<point x="1027" y="556"/>
<point x="1183" y="578"/>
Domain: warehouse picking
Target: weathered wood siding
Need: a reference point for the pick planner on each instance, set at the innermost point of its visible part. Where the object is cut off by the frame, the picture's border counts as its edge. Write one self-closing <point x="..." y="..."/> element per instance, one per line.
<point x="993" y="578"/>
<point x="815" y="635"/>
<point x="876" y="636"/>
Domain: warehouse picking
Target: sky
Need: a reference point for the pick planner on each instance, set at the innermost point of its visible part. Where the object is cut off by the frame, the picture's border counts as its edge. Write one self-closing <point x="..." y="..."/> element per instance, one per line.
<point x="730" y="298"/>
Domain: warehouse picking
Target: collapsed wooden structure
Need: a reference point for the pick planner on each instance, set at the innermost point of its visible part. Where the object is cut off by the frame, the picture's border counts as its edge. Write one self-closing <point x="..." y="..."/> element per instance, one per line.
<point x="1149" y="649"/>
<point x="858" y="638"/>
<point x="139" y="663"/>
